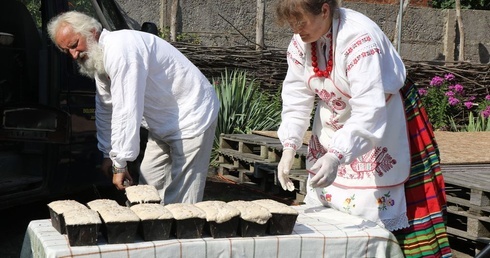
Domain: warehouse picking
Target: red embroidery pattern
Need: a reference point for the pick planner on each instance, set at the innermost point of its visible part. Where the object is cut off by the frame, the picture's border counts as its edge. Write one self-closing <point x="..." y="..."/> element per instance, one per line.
<point x="324" y="95"/>
<point x="290" y="145"/>
<point x="331" y="99"/>
<point x="342" y="171"/>
<point x="295" y="44"/>
<point x="335" y="103"/>
<point x="315" y="149"/>
<point x="363" y="39"/>
<point x="334" y="123"/>
<point x="376" y="162"/>
<point x="364" y="54"/>
<point x="339" y="155"/>
<point x="338" y="104"/>
<point x="298" y="52"/>
<point x="290" y="57"/>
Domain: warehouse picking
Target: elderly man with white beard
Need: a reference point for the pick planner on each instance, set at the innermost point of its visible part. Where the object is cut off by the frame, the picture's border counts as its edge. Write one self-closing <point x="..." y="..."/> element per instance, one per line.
<point x="142" y="80"/>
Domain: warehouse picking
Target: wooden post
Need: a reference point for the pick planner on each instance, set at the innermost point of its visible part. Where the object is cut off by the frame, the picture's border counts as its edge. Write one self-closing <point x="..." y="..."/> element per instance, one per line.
<point x="163" y="14"/>
<point x="397" y="38"/>
<point x="461" y="31"/>
<point x="259" y="27"/>
<point x="173" y="20"/>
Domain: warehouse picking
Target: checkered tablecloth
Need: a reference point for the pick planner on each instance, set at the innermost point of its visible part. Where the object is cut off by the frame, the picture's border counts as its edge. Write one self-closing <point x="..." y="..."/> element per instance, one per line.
<point x="319" y="232"/>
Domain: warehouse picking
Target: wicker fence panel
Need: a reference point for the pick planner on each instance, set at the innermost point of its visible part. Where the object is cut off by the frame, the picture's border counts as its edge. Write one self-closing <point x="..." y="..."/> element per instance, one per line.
<point x="268" y="67"/>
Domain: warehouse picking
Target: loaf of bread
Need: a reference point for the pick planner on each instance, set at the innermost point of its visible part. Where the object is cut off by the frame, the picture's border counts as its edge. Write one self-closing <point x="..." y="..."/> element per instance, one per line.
<point x="119" y="223"/>
<point x="142" y="194"/>
<point x="82" y="226"/>
<point x="155" y="221"/>
<point x="98" y="204"/>
<point x="222" y="219"/>
<point x="189" y="220"/>
<point x="253" y="218"/>
<point x="58" y="208"/>
<point x="283" y="217"/>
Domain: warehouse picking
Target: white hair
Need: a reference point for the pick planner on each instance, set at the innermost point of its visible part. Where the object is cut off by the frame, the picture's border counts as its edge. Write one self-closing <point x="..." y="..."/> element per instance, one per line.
<point x="80" y="23"/>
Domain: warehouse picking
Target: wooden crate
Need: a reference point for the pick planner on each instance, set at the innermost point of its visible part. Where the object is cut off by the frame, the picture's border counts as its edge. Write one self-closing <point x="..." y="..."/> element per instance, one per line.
<point x="251" y="157"/>
<point x="468" y="199"/>
<point x="259" y="147"/>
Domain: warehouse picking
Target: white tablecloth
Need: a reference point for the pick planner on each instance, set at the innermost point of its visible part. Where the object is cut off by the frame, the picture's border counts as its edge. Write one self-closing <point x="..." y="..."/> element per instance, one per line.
<point x="319" y="232"/>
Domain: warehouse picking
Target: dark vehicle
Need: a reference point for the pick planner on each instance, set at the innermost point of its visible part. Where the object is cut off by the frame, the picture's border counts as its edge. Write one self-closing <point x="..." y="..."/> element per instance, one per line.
<point x="48" y="142"/>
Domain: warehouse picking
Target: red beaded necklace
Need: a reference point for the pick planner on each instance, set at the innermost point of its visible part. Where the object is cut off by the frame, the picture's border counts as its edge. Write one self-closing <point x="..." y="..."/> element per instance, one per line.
<point x="314" y="59"/>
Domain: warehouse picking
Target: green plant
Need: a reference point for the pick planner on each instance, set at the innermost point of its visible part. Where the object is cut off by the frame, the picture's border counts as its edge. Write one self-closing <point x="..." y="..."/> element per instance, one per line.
<point x="450" y="108"/>
<point x="243" y="107"/>
<point x="437" y="103"/>
<point x="465" y="4"/>
<point x="479" y="123"/>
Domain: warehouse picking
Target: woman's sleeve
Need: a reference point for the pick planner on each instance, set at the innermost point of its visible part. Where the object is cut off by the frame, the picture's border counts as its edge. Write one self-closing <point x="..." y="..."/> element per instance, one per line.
<point x="297" y="99"/>
<point x="369" y="68"/>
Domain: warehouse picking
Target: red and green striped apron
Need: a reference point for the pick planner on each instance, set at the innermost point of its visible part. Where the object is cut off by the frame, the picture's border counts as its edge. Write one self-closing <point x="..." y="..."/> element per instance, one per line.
<point x="424" y="190"/>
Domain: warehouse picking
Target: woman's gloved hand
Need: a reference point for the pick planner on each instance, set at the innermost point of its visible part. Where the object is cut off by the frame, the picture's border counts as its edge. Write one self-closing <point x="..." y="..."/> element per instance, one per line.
<point x="284" y="167"/>
<point x="324" y="170"/>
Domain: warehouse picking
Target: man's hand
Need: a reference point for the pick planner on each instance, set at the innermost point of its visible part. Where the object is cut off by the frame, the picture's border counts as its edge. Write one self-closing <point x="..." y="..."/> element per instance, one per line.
<point x="122" y="180"/>
<point x="325" y="170"/>
<point x="284" y="167"/>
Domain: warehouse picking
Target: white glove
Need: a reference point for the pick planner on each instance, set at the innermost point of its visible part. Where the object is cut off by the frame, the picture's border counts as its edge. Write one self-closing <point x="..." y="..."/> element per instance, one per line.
<point x="325" y="170"/>
<point x="284" y="167"/>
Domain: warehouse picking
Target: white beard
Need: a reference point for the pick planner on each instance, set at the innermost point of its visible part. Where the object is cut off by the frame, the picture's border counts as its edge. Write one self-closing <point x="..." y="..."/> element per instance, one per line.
<point x="94" y="59"/>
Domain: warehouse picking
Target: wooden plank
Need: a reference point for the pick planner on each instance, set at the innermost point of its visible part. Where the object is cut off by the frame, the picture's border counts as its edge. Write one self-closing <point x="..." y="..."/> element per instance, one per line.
<point x="470" y="168"/>
<point x="271" y="142"/>
<point x="463" y="234"/>
<point x="251" y="138"/>
<point x="472" y="225"/>
<point x="469" y="180"/>
<point x="248" y="157"/>
<point x="466" y="203"/>
<point x="467" y="214"/>
<point x="224" y="169"/>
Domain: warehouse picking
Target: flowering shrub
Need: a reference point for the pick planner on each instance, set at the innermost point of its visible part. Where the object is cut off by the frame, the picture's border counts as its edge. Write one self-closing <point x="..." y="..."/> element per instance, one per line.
<point x="445" y="99"/>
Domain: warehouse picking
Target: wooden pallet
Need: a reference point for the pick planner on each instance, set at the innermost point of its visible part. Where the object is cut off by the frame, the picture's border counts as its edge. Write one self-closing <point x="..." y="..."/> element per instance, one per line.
<point x="251" y="157"/>
<point x="468" y="199"/>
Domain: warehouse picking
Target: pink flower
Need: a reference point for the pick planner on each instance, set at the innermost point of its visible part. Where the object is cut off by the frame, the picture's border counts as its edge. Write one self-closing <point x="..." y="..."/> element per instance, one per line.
<point x="437" y="81"/>
<point x="449" y="93"/>
<point x="453" y="101"/>
<point x="486" y="113"/>
<point x="487" y="97"/>
<point x="449" y="77"/>
<point x="458" y="88"/>
<point x="468" y="104"/>
<point x="424" y="92"/>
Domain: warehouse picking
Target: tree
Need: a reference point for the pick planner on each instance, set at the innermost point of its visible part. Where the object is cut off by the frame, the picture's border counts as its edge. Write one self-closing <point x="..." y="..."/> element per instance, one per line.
<point x="461" y="30"/>
<point x="465" y="4"/>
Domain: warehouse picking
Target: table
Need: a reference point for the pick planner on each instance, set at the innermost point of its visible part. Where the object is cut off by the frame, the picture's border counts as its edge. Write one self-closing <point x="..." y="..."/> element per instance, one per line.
<point x="319" y="232"/>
